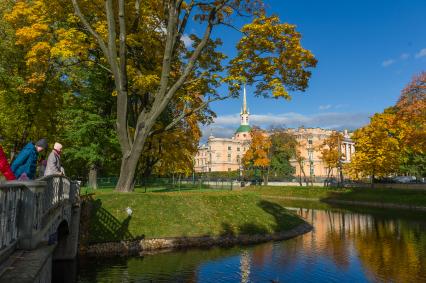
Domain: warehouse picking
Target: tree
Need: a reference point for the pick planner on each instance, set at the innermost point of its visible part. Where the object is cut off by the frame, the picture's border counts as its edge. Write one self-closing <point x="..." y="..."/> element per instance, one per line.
<point x="330" y="151"/>
<point x="283" y="148"/>
<point x="258" y="156"/>
<point x="141" y="48"/>
<point x="28" y="108"/>
<point x="411" y="122"/>
<point x="377" y="150"/>
<point x="283" y="45"/>
<point x="300" y="159"/>
<point x="395" y="141"/>
<point x="87" y="124"/>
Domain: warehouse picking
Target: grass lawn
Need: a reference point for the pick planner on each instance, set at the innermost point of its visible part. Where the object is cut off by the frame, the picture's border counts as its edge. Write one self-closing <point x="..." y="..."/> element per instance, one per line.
<point x="184" y="213"/>
<point x="394" y="196"/>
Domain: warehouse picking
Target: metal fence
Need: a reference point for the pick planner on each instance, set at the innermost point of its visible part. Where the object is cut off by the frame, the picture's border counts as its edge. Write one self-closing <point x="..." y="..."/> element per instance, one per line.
<point x="172" y="183"/>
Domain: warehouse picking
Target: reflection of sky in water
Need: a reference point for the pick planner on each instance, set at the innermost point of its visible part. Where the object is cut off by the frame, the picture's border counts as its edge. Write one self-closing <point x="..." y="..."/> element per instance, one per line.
<point x="223" y="270"/>
<point x="344" y="247"/>
<point x="303" y="268"/>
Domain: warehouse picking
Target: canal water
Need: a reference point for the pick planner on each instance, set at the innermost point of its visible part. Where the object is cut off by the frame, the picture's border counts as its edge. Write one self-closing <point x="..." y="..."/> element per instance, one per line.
<point x="346" y="245"/>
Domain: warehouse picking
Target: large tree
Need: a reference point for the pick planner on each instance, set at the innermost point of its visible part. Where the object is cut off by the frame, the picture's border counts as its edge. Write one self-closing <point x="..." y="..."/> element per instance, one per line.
<point x="283" y="149"/>
<point x="29" y="106"/>
<point x="377" y="150"/>
<point x="394" y="141"/>
<point x="330" y="154"/>
<point x="257" y="157"/>
<point x="142" y="50"/>
<point x="411" y="124"/>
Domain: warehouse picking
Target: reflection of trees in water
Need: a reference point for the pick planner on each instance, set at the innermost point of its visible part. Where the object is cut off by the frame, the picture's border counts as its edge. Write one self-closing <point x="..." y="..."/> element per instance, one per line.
<point x="392" y="252"/>
<point x="262" y="254"/>
<point x="181" y="266"/>
<point x="389" y="249"/>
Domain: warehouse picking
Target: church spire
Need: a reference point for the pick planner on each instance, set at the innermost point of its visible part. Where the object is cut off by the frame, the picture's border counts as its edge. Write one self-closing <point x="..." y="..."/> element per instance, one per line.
<point x="244" y="110"/>
<point x="245" y="101"/>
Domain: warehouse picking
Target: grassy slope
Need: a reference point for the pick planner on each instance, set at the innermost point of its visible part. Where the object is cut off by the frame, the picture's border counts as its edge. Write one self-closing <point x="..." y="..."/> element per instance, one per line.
<point x="395" y="196"/>
<point x="177" y="214"/>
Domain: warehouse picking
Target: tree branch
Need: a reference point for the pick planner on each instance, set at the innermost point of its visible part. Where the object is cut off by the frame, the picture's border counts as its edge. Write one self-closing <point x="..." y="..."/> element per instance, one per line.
<point x="187" y="114"/>
<point x="89" y="28"/>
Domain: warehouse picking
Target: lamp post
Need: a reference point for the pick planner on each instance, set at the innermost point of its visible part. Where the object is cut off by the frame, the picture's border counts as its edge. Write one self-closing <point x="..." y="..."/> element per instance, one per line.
<point x="340" y="183"/>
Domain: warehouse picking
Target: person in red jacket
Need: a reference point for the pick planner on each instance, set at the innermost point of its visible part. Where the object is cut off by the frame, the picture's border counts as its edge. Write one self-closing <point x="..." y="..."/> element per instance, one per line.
<point x="4" y="166"/>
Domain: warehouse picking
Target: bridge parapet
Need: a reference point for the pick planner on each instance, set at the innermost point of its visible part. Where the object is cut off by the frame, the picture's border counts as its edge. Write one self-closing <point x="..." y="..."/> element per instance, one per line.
<point x="30" y="212"/>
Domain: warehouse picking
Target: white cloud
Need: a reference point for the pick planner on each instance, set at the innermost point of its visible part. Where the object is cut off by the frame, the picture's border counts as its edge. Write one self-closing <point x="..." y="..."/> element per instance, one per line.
<point x="340" y="106"/>
<point x="404" y="56"/>
<point x="225" y="126"/>
<point x="324" y="107"/>
<point x="422" y="53"/>
<point x="187" y="40"/>
<point x="388" y="62"/>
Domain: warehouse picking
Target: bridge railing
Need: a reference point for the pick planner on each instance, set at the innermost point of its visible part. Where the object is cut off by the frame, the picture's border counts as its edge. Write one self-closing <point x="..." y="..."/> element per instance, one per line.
<point x="26" y="208"/>
<point x="10" y="196"/>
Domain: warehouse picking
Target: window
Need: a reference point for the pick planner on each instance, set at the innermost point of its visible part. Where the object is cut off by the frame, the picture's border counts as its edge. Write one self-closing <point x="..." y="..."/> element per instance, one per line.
<point x="229" y="169"/>
<point x="229" y="148"/>
<point x="210" y="169"/>
<point x="310" y="141"/>
<point x="229" y="157"/>
<point x="238" y="149"/>
<point x="244" y="135"/>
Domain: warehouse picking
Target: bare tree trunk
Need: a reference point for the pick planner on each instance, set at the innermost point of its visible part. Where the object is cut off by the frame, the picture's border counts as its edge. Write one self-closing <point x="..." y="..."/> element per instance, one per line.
<point x="127" y="174"/>
<point x="93" y="176"/>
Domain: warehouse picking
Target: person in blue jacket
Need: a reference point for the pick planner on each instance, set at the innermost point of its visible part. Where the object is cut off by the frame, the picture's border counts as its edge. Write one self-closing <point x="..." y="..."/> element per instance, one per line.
<point x="25" y="164"/>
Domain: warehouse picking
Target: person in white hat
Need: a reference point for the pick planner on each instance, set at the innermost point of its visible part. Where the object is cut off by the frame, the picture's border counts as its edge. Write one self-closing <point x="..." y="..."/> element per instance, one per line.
<point x="53" y="166"/>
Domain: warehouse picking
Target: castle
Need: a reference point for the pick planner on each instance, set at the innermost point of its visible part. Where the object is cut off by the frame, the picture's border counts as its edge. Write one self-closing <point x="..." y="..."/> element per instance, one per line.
<point x="225" y="154"/>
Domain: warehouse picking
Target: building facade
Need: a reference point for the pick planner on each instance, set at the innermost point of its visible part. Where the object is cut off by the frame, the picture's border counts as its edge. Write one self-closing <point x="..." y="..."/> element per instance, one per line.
<point x="225" y="154"/>
<point x="310" y="141"/>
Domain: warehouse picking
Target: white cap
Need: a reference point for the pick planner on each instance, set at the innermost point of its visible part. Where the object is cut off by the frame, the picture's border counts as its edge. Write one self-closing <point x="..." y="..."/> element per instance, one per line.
<point x="57" y="146"/>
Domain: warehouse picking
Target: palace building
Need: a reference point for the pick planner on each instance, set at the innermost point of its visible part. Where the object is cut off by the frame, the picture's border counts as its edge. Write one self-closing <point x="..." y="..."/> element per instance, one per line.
<point x="225" y="154"/>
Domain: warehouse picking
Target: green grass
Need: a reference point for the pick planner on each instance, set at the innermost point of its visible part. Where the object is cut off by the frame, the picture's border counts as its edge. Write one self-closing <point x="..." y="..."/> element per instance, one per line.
<point x="302" y="192"/>
<point x="394" y="196"/>
<point x="180" y="214"/>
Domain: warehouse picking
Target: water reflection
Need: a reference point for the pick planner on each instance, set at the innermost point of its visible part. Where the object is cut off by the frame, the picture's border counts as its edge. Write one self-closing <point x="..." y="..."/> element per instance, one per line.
<point x="344" y="246"/>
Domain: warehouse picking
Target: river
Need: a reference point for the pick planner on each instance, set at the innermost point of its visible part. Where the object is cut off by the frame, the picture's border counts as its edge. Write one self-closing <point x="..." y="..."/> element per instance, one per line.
<point x="347" y="245"/>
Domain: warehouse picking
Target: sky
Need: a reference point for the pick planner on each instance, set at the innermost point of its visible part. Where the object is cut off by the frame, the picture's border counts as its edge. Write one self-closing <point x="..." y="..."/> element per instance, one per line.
<point x="367" y="51"/>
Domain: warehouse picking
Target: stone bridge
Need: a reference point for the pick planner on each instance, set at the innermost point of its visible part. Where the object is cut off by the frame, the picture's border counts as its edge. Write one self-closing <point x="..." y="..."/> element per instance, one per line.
<point x="39" y="222"/>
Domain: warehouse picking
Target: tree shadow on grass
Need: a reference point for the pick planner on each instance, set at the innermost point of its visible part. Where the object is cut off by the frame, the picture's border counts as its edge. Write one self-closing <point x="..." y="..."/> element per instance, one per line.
<point x="283" y="218"/>
<point x="103" y="226"/>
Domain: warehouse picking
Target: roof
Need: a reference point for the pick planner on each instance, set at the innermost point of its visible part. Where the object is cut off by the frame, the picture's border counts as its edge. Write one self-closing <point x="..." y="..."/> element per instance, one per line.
<point x="243" y="129"/>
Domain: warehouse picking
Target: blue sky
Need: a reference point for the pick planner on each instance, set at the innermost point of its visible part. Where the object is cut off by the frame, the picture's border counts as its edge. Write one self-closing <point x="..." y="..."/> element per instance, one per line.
<point x="367" y="52"/>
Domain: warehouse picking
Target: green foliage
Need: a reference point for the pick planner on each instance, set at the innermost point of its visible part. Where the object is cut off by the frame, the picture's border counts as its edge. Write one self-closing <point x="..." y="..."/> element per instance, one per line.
<point x="283" y="148"/>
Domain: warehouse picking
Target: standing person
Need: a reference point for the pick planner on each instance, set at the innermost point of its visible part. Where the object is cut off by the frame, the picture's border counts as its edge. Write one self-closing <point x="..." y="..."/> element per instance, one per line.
<point x="53" y="166"/>
<point x="25" y="164"/>
<point x="4" y="165"/>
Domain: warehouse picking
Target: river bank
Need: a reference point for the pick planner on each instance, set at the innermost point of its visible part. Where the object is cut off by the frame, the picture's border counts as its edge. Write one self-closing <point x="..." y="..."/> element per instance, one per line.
<point x="377" y="197"/>
<point x="139" y="223"/>
<point x="350" y="244"/>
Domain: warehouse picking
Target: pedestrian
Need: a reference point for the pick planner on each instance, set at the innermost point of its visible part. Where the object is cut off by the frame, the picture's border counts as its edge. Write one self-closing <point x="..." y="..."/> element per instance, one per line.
<point x="25" y="165"/>
<point x="53" y="166"/>
<point x="4" y="165"/>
